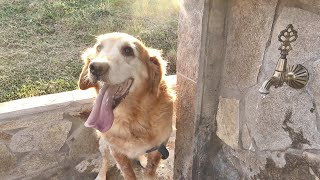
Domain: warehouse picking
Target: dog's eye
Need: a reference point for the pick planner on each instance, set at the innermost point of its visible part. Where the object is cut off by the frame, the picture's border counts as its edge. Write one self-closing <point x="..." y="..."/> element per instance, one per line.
<point x="99" y="47"/>
<point x="127" y="51"/>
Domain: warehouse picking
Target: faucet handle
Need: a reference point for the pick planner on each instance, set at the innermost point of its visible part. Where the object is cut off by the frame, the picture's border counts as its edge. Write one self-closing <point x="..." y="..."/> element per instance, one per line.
<point x="297" y="76"/>
<point x="286" y="37"/>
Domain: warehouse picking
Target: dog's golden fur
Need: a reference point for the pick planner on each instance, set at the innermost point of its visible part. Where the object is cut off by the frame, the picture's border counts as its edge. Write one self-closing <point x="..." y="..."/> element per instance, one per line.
<point x="143" y="120"/>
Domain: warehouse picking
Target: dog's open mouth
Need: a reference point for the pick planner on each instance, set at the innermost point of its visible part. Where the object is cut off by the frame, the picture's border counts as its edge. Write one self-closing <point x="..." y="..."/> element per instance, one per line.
<point x="109" y="97"/>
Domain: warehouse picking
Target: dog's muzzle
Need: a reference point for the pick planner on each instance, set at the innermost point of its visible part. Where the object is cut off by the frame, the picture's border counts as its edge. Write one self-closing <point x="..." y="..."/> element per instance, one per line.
<point x="99" y="69"/>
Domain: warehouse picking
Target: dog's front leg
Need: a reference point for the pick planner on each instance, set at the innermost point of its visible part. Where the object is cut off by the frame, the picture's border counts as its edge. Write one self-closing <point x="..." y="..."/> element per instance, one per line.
<point x="152" y="165"/>
<point x="103" y="170"/>
<point x="124" y="164"/>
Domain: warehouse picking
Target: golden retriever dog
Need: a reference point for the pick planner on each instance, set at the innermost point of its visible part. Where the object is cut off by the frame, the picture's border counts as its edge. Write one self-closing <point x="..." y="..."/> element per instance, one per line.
<point x="134" y="106"/>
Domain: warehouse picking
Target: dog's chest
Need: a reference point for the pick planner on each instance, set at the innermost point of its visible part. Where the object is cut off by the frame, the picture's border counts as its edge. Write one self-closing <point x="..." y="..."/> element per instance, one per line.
<point x="128" y="141"/>
<point x="130" y="134"/>
<point x="136" y="130"/>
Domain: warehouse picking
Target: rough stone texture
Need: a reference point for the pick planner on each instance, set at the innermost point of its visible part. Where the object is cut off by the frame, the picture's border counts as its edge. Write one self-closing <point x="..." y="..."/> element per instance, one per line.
<point x="92" y="165"/>
<point x="246" y="139"/>
<point x="265" y="123"/>
<point x="189" y="39"/>
<point x="297" y="168"/>
<point x="65" y="173"/>
<point x="308" y="5"/>
<point x="314" y="163"/>
<point x="267" y="164"/>
<point x="5" y="137"/>
<point x="228" y="121"/>
<point x="249" y="26"/>
<point x="278" y="158"/>
<point x="247" y="162"/>
<point x="185" y="115"/>
<point x="314" y="84"/>
<point x="33" y="163"/>
<point x="28" y="121"/>
<point x="83" y="142"/>
<point x="306" y="47"/>
<point x="282" y="119"/>
<point x="49" y="137"/>
<point x="7" y="159"/>
<point x="224" y="169"/>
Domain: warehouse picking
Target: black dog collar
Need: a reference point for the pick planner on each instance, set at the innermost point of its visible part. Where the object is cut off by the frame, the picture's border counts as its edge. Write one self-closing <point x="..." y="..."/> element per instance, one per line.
<point x="162" y="149"/>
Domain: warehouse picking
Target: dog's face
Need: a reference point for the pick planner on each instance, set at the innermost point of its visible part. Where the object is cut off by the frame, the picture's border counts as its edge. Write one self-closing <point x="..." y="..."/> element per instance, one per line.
<point x="117" y="57"/>
<point x="123" y="65"/>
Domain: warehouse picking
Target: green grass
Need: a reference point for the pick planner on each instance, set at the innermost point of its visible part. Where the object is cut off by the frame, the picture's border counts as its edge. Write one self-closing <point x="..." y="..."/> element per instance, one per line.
<point x="41" y="40"/>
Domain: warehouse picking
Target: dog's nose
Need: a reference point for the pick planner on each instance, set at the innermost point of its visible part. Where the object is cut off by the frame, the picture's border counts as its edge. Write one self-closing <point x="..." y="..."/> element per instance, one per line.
<point x="98" y="68"/>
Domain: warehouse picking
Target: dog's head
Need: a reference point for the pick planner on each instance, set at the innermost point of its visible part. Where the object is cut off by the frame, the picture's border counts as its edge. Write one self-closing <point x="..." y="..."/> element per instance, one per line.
<point x="117" y="57"/>
<point x="122" y="64"/>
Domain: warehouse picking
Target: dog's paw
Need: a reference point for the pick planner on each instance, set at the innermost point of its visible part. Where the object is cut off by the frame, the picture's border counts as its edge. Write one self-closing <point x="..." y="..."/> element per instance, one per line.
<point x="143" y="161"/>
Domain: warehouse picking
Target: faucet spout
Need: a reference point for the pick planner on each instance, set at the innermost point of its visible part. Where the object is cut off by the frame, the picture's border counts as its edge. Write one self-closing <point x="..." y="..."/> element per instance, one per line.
<point x="278" y="77"/>
<point x="265" y="88"/>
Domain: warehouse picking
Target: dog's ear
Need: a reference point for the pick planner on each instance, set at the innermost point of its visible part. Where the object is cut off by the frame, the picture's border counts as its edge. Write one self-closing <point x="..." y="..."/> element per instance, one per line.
<point x="84" y="82"/>
<point x="157" y="69"/>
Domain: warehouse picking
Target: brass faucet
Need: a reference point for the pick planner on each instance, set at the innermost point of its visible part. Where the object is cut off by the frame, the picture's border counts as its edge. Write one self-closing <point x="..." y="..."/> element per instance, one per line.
<point x="296" y="76"/>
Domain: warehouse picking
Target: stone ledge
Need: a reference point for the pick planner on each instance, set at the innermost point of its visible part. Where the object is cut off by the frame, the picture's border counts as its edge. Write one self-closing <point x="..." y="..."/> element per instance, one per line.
<point x="39" y="104"/>
<point x="50" y="102"/>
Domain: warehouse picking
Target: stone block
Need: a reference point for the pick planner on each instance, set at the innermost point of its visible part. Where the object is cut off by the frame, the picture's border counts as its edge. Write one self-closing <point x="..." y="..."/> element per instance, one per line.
<point x="185" y="121"/>
<point x="249" y="26"/>
<point x="31" y="120"/>
<point x="281" y="119"/>
<point x="296" y="168"/>
<point x="270" y="164"/>
<point x="7" y="160"/>
<point x="33" y="164"/>
<point x="33" y="105"/>
<point x="305" y="48"/>
<point x="49" y="102"/>
<point x="228" y="121"/>
<point x="83" y="142"/>
<point x="48" y="137"/>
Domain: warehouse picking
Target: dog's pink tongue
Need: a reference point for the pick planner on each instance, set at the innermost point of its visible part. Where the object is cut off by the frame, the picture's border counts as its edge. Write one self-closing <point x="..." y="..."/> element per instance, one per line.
<point x="101" y="116"/>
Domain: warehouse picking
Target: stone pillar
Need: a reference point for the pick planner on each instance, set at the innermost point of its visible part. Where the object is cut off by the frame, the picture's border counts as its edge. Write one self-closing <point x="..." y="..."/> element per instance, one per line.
<point x="189" y="46"/>
<point x="199" y="65"/>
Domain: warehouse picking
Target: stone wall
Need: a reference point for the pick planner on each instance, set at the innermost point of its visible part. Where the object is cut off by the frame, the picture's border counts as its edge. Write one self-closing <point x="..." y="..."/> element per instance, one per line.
<point x="45" y="138"/>
<point x="257" y="137"/>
